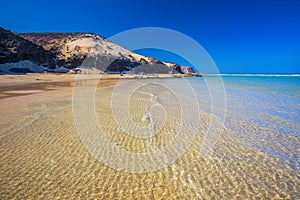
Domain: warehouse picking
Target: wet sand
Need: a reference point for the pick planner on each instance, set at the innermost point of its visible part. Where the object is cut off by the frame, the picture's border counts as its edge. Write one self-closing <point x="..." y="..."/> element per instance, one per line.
<point x="42" y="156"/>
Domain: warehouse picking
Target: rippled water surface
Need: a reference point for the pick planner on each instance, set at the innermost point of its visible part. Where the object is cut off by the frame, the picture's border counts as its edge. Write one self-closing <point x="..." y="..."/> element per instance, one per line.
<point x="239" y="141"/>
<point x="264" y="112"/>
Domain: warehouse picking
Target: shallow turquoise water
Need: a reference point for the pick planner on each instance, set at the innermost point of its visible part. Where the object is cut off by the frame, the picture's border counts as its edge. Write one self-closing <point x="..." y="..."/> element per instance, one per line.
<point x="263" y="111"/>
<point x="256" y="157"/>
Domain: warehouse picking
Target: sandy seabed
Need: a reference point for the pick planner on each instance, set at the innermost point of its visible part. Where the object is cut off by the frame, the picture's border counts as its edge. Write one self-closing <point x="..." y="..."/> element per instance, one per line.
<point x="42" y="156"/>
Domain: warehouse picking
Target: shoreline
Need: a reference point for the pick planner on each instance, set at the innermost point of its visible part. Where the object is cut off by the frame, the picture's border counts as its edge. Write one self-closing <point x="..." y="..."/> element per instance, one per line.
<point x="20" y="85"/>
<point x="12" y="79"/>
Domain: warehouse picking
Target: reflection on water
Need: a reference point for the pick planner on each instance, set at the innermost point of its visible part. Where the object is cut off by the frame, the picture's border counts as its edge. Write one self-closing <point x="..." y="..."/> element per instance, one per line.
<point x="256" y="156"/>
<point x="30" y="88"/>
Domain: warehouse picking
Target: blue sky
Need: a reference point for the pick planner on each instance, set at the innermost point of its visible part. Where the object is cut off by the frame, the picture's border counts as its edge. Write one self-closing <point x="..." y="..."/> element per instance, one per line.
<point x="241" y="36"/>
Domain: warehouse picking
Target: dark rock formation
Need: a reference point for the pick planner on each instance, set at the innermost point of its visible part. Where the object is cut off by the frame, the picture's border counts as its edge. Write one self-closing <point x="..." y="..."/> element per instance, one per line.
<point x="14" y="48"/>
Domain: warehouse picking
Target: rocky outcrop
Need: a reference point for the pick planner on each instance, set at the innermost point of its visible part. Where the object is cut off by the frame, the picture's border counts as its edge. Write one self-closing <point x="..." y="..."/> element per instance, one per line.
<point x="14" y="48"/>
<point x="187" y="70"/>
<point x="63" y="51"/>
<point x="72" y="48"/>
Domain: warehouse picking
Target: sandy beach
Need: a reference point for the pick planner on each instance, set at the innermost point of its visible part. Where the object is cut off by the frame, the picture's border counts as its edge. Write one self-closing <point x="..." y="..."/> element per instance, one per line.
<point x="42" y="156"/>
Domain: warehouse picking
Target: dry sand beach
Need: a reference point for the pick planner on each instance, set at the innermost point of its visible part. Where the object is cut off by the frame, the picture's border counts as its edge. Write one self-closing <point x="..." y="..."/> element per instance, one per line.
<point x="42" y="156"/>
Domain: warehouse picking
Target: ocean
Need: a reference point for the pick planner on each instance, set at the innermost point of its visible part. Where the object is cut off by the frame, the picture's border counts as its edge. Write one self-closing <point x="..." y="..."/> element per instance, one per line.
<point x="261" y="110"/>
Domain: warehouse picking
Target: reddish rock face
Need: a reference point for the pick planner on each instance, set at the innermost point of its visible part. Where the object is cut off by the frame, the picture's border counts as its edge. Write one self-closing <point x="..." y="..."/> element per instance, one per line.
<point x="187" y="70"/>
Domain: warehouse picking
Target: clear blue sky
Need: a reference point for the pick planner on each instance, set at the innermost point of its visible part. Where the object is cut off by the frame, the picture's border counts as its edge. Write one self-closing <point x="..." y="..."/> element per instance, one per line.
<point x="242" y="36"/>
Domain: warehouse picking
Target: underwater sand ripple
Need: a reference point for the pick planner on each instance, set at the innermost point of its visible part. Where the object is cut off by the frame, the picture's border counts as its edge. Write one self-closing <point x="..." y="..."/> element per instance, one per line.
<point x="42" y="157"/>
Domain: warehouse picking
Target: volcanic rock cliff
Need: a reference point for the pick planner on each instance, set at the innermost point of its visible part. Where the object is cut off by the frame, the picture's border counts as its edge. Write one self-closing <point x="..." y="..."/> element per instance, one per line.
<point x="14" y="49"/>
